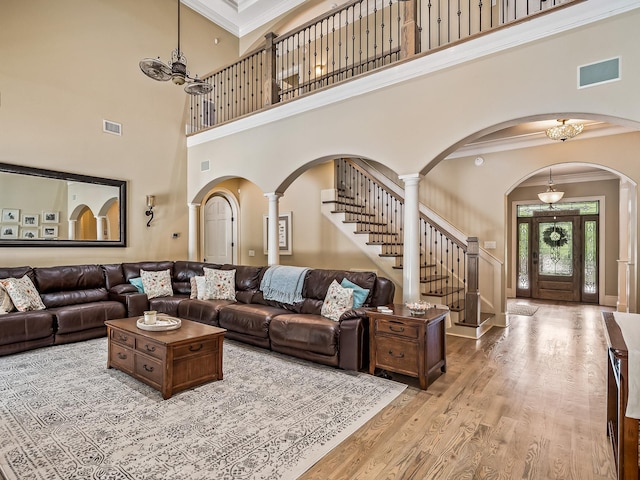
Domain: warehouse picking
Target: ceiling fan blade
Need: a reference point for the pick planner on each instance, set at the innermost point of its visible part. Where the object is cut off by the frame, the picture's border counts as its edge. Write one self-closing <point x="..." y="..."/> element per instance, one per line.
<point x="156" y="69"/>
<point x="198" y="87"/>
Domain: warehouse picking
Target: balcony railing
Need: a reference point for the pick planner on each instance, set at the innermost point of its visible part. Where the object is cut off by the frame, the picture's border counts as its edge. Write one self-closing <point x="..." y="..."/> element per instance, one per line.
<point x="351" y="40"/>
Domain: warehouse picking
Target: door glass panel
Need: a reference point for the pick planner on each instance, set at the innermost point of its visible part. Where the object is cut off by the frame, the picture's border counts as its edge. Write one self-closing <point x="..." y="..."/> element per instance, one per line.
<point x="555" y="247"/>
<point x="590" y="256"/>
<point x="523" y="256"/>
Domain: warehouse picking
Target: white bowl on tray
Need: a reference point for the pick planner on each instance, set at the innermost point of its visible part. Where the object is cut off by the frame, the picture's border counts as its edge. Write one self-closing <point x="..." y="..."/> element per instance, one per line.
<point x="163" y="323"/>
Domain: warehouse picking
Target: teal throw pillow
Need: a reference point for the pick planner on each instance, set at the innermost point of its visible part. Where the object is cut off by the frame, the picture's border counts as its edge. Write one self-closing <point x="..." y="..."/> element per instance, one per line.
<point x="359" y="294"/>
<point x="137" y="282"/>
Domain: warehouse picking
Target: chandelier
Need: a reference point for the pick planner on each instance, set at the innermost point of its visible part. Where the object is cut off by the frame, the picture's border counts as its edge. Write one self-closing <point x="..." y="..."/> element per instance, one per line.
<point x="551" y="195"/>
<point x="565" y="130"/>
<point x="175" y="69"/>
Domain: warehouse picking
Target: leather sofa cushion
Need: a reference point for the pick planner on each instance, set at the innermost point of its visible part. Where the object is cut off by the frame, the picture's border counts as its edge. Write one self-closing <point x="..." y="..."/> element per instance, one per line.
<point x="203" y="311"/>
<point x="305" y="332"/>
<point x="317" y="282"/>
<point x="74" y="318"/>
<point x="113" y="275"/>
<point x="168" y="305"/>
<point x="18" y="327"/>
<point x="132" y="270"/>
<point x="70" y="285"/>
<point x="183" y="271"/>
<point x="247" y="277"/>
<point x="17" y="272"/>
<point x="250" y="319"/>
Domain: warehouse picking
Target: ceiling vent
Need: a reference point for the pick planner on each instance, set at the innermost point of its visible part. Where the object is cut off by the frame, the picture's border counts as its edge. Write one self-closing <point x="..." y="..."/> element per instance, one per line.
<point x="597" y="73"/>
<point x="111" y="127"/>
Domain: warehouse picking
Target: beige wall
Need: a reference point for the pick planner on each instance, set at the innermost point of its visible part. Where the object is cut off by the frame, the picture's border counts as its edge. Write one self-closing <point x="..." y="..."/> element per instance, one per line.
<point x="66" y="66"/>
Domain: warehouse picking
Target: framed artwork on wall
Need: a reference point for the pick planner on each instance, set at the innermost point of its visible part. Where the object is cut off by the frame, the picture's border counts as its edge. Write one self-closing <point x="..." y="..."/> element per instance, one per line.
<point x="284" y="233"/>
<point x="9" y="231"/>
<point x="10" y="215"/>
<point x="29" y="233"/>
<point x="49" y="231"/>
<point x="50" y="217"/>
<point x="30" y="220"/>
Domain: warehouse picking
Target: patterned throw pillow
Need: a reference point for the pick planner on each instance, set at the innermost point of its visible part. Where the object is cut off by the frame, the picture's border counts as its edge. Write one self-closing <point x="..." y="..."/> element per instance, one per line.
<point x="23" y="293"/>
<point x="6" y="305"/>
<point x="157" y="284"/>
<point x="219" y="284"/>
<point x="359" y="294"/>
<point x="198" y="287"/>
<point x="337" y="301"/>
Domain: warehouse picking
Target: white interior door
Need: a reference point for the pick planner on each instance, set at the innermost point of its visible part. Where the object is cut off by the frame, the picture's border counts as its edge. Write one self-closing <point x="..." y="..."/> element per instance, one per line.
<point x="218" y="231"/>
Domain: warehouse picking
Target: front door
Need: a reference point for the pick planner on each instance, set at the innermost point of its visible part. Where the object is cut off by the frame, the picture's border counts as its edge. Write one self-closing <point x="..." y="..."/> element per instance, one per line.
<point x="218" y="231"/>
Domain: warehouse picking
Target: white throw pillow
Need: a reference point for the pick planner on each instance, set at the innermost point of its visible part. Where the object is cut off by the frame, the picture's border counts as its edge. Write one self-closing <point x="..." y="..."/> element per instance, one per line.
<point x="23" y="293"/>
<point x="337" y="301"/>
<point x="157" y="284"/>
<point x="198" y="287"/>
<point x="219" y="284"/>
<point x="6" y="305"/>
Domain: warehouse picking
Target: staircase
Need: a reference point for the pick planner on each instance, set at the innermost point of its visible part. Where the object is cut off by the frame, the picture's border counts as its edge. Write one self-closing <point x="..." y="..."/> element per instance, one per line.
<point x="369" y="208"/>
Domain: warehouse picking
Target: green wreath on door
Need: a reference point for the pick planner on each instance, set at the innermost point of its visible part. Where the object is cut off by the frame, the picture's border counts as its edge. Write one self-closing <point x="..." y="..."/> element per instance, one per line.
<point x="555" y="236"/>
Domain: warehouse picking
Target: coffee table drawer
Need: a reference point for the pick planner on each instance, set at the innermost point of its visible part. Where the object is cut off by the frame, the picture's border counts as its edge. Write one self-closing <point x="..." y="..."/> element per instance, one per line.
<point x="150" y="347"/>
<point x="124" y="338"/>
<point x="195" y="348"/>
<point x="149" y="369"/>
<point x="398" y="355"/>
<point x="121" y="357"/>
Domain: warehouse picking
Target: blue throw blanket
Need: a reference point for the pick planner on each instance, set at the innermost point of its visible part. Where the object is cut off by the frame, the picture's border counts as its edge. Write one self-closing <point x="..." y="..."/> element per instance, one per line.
<point x="283" y="283"/>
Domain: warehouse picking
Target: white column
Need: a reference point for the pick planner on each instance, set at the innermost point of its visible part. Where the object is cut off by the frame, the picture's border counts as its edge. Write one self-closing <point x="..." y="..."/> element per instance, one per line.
<point x="622" y="305"/>
<point x="411" y="250"/>
<point x="72" y="229"/>
<point x="273" y="245"/>
<point x="100" y="228"/>
<point x="194" y="238"/>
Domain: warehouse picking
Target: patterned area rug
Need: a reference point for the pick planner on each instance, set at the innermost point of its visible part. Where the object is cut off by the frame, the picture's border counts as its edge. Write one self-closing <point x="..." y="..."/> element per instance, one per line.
<point x="521" y="309"/>
<point x="64" y="416"/>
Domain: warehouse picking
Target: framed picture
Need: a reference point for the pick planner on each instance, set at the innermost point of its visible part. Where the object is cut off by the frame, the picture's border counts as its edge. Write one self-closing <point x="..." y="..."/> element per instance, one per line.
<point x="50" y="217"/>
<point x="50" y="231"/>
<point x="10" y="215"/>
<point x="29" y="233"/>
<point x="284" y="233"/>
<point x="9" y="231"/>
<point x="30" y="220"/>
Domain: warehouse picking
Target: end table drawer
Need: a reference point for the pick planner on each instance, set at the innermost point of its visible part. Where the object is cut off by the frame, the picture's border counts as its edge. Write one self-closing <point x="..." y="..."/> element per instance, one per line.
<point x="149" y="369"/>
<point x="398" y="328"/>
<point x="195" y="348"/>
<point x="149" y="347"/>
<point x="398" y="355"/>
<point x="121" y="357"/>
<point x="123" y="338"/>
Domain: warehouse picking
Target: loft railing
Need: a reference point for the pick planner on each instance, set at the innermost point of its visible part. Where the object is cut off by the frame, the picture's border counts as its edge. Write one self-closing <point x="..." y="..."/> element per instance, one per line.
<point x="448" y="266"/>
<point x="350" y="40"/>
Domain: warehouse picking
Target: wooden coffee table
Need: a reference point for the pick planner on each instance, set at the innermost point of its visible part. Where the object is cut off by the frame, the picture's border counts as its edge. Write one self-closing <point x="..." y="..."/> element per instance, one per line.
<point x="169" y="361"/>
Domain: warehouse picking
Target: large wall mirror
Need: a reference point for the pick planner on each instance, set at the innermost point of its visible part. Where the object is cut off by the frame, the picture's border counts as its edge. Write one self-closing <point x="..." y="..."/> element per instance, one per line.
<point x="41" y="207"/>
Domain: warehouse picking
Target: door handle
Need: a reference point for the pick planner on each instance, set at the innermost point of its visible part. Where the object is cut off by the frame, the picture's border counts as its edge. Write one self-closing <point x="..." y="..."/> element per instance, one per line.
<point x="535" y="257"/>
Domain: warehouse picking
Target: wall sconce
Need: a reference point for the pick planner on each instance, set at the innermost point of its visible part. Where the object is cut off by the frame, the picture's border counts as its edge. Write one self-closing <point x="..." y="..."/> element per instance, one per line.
<point x="151" y="202"/>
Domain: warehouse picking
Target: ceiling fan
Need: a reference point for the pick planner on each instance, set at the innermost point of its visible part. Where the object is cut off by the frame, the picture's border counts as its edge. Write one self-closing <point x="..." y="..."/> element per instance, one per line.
<point x="175" y="70"/>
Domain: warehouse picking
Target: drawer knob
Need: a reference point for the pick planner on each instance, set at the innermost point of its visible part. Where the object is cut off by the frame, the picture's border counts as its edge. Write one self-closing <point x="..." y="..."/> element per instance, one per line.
<point x="150" y="348"/>
<point x="391" y="354"/>
<point x="147" y="368"/>
<point x="396" y="329"/>
<point x="122" y="338"/>
<point x="121" y="356"/>
<point x="193" y="348"/>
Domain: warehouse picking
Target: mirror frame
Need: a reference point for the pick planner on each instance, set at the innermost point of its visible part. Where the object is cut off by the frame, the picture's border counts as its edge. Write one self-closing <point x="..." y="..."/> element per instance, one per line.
<point x="73" y="177"/>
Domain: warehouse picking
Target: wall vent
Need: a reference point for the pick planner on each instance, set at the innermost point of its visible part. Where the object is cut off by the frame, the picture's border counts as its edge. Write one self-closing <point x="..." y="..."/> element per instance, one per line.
<point x="204" y="166"/>
<point x="598" y="73"/>
<point x="111" y="127"/>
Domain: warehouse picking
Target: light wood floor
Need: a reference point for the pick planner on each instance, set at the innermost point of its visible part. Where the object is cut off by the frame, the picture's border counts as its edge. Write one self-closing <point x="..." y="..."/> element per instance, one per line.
<point x="523" y="402"/>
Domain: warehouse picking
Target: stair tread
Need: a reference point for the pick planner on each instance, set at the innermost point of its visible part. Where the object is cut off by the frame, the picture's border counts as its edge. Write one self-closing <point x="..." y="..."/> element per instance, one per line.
<point x="433" y="278"/>
<point x="390" y="254"/>
<point x="442" y="292"/>
<point x="364" y="222"/>
<point x="395" y="244"/>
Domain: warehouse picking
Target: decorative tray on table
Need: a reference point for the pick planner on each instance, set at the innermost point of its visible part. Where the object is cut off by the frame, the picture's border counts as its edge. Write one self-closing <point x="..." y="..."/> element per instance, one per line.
<point x="163" y="322"/>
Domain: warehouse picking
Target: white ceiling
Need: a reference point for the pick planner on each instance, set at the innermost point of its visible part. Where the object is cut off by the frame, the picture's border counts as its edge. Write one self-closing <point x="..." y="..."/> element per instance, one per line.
<point x="241" y="17"/>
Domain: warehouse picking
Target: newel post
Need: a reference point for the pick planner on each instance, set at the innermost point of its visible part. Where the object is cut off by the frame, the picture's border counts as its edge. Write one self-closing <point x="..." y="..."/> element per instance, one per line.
<point x="472" y="297"/>
<point x="410" y="35"/>
<point x="271" y="94"/>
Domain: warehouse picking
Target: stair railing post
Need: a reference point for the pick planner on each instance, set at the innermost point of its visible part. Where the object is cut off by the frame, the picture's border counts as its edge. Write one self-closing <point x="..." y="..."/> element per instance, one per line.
<point x="410" y="34"/>
<point x="411" y="250"/>
<point x="271" y="90"/>
<point x="472" y="296"/>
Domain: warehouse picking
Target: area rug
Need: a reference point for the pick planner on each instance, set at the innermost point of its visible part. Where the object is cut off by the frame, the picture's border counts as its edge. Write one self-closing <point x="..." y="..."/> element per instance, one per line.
<point x="64" y="416"/>
<point x="521" y="309"/>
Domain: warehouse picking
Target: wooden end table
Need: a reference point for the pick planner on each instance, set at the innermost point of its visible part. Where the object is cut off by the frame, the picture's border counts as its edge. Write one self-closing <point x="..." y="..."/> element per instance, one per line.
<point x="169" y="361"/>
<point x="408" y="344"/>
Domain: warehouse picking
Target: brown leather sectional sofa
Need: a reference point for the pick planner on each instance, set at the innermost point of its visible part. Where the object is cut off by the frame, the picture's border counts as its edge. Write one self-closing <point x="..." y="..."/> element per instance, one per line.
<point x="80" y="298"/>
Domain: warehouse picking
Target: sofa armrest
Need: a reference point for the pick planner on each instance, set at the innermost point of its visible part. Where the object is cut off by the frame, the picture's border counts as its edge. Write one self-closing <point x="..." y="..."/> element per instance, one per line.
<point x="352" y="348"/>
<point x="135" y="303"/>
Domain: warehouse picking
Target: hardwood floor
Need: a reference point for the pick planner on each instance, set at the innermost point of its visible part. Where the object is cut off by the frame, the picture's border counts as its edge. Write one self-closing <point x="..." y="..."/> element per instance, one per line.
<point x="523" y="402"/>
